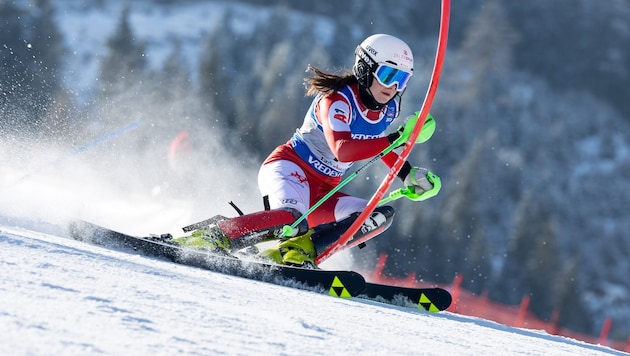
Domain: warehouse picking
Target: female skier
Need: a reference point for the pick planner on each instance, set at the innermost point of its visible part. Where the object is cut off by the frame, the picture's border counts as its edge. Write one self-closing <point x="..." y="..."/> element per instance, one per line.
<point x="345" y="123"/>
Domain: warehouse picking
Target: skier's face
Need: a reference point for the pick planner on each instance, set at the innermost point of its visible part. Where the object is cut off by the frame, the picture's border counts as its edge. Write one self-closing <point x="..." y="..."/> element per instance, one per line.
<point x="381" y="93"/>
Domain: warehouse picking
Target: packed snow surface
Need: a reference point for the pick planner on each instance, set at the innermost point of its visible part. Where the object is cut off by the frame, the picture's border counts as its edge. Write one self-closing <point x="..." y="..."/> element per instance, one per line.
<point x="65" y="297"/>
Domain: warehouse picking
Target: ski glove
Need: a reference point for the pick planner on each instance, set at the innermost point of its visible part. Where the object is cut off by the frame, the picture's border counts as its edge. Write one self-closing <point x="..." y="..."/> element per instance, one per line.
<point x="404" y="131"/>
<point x="421" y="184"/>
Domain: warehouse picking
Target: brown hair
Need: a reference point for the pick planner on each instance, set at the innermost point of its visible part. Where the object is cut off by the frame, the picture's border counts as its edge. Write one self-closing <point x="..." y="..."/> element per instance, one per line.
<point x="326" y="83"/>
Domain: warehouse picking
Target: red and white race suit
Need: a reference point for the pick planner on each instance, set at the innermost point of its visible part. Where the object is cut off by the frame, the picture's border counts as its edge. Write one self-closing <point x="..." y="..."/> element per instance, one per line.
<point x="337" y="131"/>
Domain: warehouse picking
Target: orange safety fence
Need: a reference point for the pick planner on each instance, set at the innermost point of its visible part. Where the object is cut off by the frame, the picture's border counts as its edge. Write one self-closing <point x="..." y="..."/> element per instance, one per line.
<point x="468" y="303"/>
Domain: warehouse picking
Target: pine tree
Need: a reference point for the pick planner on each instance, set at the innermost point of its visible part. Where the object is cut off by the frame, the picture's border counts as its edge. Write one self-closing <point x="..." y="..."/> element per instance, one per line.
<point x="487" y="52"/>
<point x="173" y="83"/>
<point x="125" y="63"/>
<point x="567" y="299"/>
<point x="174" y="93"/>
<point x="14" y="115"/>
<point x="477" y="270"/>
<point x="30" y="54"/>
<point x="215" y="86"/>
<point x="55" y="104"/>
<point x="532" y="259"/>
<point x="511" y="285"/>
<point x="460" y="219"/>
<point x="543" y="266"/>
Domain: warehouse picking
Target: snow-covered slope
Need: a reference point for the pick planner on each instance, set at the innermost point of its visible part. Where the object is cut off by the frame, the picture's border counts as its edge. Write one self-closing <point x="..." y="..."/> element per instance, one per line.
<point x="62" y="297"/>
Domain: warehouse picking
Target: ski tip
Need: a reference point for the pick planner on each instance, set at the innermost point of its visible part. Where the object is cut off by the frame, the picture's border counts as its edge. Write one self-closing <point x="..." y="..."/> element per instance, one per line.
<point x="435" y="300"/>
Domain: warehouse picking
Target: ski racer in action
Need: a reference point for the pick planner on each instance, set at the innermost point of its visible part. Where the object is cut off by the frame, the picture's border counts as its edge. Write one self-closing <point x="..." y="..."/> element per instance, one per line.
<point x="345" y="123"/>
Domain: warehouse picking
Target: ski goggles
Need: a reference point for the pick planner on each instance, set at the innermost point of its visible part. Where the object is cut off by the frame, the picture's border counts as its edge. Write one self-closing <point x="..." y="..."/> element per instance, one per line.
<point x="389" y="76"/>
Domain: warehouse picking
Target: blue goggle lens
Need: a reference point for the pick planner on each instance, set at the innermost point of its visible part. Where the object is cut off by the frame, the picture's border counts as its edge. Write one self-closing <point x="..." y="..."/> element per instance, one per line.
<point x="389" y="76"/>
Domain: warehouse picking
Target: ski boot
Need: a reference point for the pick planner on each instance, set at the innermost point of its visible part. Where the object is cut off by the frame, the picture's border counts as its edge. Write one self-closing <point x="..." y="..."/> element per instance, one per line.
<point x="211" y="239"/>
<point x="296" y="251"/>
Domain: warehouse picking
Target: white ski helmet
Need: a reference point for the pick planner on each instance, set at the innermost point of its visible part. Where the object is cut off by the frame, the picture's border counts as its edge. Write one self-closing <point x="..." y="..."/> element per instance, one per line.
<point x="389" y="54"/>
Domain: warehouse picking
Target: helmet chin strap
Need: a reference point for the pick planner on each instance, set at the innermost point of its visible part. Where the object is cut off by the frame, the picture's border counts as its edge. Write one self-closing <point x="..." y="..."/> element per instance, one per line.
<point x="368" y="99"/>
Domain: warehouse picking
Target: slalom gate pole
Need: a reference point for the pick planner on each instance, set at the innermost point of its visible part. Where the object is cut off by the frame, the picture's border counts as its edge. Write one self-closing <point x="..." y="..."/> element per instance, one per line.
<point x="342" y="242"/>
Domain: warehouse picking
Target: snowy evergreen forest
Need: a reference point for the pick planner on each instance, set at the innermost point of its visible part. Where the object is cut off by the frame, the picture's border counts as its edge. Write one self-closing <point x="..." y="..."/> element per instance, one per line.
<point x="532" y="114"/>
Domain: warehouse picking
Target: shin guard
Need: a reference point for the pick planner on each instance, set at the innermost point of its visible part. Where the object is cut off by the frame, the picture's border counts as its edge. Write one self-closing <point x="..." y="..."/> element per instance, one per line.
<point x="327" y="234"/>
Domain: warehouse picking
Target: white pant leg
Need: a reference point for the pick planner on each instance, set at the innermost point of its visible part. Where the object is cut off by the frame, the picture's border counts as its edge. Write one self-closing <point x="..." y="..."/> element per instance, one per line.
<point x="286" y="185"/>
<point x="348" y="205"/>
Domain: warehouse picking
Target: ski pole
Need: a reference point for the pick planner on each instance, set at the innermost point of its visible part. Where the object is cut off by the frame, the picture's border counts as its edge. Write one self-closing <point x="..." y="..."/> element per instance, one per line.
<point x="395" y="195"/>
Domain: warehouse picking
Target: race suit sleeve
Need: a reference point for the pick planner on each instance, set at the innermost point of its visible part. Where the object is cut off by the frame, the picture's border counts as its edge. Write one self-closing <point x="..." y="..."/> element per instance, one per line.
<point x="333" y="112"/>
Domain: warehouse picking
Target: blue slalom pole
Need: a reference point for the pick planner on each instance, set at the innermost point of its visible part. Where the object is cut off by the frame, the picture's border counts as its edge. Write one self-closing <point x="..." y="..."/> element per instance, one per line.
<point x="81" y="149"/>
